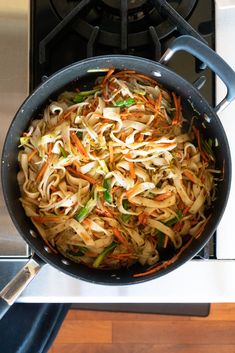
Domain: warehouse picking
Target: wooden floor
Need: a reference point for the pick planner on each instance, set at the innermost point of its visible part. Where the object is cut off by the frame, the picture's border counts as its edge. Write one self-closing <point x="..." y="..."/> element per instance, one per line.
<point x="103" y="332"/>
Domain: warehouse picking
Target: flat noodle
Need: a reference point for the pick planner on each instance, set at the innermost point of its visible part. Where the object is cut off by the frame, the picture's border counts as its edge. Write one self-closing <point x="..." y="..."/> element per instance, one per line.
<point x="110" y="177"/>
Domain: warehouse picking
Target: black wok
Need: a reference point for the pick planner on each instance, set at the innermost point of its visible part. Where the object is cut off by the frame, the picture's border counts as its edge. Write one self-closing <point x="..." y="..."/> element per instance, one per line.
<point x="80" y="74"/>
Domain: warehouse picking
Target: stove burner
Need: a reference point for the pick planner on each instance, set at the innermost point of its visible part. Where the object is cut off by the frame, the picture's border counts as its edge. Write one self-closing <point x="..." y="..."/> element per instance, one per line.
<point x="121" y="23"/>
<point x="132" y="4"/>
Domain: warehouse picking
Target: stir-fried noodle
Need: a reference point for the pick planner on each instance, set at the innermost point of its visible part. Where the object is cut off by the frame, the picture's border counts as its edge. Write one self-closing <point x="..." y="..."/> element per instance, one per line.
<point x="109" y="177"/>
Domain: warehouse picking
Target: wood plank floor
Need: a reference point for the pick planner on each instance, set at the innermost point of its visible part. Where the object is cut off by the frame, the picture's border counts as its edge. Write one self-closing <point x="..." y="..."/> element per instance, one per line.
<point x="105" y="332"/>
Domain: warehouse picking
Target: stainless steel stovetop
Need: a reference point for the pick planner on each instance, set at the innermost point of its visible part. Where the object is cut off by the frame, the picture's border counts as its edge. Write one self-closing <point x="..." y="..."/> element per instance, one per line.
<point x="209" y="280"/>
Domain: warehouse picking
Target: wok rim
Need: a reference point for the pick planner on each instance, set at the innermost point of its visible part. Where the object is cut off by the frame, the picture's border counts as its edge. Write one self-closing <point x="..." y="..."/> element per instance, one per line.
<point x="189" y="253"/>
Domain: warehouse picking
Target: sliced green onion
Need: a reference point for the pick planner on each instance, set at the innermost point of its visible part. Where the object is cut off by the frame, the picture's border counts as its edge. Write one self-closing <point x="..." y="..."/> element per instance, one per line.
<point x="107" y="195"/>
<point x="125" y="103"/>
<point x="179" y="214"/>
<point x="125" y="217"/>
<point x="100" y="258"/>
<point x="80" y="97"/>
<point x="79" y="134"/>
<point x="24" y="140"/>
<point x="84" y="211"/>
<point x="174" y="220"/>
<point x="103" y="165"/>
<point x="160" y="236"/>
<point x="207" y="147"/>
<point x="125" y="204"/>
<point x="63" y="152"/>
<point x="160" y="239"/>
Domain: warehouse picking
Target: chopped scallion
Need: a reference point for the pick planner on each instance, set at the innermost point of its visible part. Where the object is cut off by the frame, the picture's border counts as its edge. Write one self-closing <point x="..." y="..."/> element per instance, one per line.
<point x="107" y="195"/>
<point x="80" y="97"/>
<point x="63" y="152"/>
<point x="100" y="258"/>
<point x="79" y="134"/>
<point x="125" y="103"/>
<point x="84" y="211"/>
<point x="125" y="217"/>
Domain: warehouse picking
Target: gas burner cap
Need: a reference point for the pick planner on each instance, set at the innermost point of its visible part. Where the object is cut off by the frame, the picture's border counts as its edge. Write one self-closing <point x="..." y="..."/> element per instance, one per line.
<point x="132" y="4"/>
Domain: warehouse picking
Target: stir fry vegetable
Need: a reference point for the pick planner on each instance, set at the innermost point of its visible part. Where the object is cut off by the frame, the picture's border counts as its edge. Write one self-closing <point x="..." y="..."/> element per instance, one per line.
<point x="115" y="175"/>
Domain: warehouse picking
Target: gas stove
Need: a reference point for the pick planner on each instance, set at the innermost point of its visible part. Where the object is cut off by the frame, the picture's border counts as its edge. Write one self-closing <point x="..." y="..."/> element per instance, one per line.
<point x="49" y="34"/>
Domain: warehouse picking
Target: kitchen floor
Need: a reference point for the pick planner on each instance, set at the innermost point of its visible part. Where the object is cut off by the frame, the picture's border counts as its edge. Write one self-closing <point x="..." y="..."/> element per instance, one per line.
<point x="104" y="332"/>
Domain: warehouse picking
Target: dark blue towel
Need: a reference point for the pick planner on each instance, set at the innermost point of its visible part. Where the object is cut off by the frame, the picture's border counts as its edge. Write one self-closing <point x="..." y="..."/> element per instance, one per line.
<point x="31" y="328"/>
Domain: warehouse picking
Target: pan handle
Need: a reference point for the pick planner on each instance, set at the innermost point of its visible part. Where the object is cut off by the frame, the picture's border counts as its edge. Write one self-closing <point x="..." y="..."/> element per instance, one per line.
<point x="14" y="288"/>
<point x="210" y="58"/>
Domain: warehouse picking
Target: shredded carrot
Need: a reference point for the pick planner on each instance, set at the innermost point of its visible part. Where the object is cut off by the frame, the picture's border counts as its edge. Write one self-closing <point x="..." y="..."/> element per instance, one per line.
<point x="131" y="191"/>
<point x="140" y="218"/>
<point x="65" y="115"/>
<point x="144" y="77"/>
<point x="186" y="210"/>
<point x="177" y="227"/>
<point x="109" y="73"/>
<point x="165" y="241"/>
<point x="189" y="175"/>
<point x="78" y="144"/>
<point x="143" y="218"/>
<point x="32" y="154"/>
<point x="102" y="213"/>
<point x="111" y="151"/>
<point x="131" y="166"/>
<point x="119" y="236"/>
<point x="50" y="146"/>
<point x="83" y="176"/>
<point x="112" y="87"/>
<point x="201" y="229"/>
<point x="86" y="222"/>
<point x="162" y="197"/>
<point x="77" y="165"/>
<point x="141" y="98"/>
<point x="165" y="263"/>
<point x="198" y="137"/>
<point x="176" y="119"/>
<point x="42" y="171"/>
<point x="158" y="102"/>
<point x="151" y="101"/>
<point x="122" y="136"/>
<point x="124" y="72"/>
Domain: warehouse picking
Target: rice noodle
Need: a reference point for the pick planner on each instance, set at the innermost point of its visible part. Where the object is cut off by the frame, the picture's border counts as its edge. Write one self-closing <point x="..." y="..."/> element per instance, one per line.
<point x="111" y="171"/>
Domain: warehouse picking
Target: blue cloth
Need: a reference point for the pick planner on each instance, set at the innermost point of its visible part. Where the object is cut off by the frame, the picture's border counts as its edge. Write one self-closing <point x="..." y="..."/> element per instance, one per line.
<point x="31" y="328"/>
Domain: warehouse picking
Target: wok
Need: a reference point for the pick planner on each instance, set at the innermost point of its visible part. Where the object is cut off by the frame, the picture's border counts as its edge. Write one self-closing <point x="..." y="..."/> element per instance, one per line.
<point x="80" y="74"/>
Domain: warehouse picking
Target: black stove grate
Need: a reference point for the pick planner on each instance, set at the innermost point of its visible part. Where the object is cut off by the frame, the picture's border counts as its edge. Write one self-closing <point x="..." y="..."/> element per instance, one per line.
<point x="66" y="31"/>
<point x="120" y="24"/>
